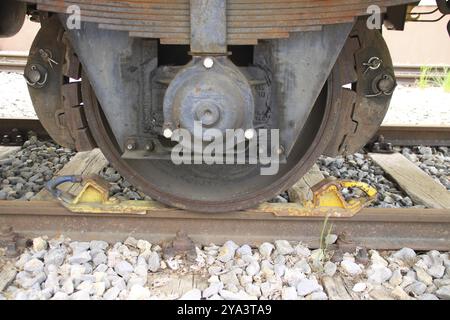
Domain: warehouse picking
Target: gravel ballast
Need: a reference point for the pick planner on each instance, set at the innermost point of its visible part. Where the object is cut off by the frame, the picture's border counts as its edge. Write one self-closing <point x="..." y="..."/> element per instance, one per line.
<point x="434" y="161"/>
<point x="119" y="187"/>
<point x="138" y="270"/>
<point x="25" y="172"/>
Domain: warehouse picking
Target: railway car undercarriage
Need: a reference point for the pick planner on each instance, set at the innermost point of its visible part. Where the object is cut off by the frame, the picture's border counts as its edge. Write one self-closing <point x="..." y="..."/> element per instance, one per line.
<point x="128" y="77"/>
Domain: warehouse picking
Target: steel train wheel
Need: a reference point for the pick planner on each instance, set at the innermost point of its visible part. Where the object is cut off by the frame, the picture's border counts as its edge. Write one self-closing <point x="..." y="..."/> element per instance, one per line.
<point x="47" y="73"/>
<point x="364" y="106"/>
<point x="216" y="188"/>
<point x="230" y="188"/>
<point x="220" y="188"/>
<point x="53" y="75"/>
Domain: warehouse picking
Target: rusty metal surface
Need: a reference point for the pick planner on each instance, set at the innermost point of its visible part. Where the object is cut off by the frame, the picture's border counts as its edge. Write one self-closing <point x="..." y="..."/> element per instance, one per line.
<point x="368" y="68"/>
<point x="13" y="61"/>
<point x="327" y="201"/>
<point x="220" y="97"/>
<point x="204" y="188"/>
<point x="419" y="229"/>
<point x="8" y="240"/>
<point x="11" y="127"/>
<point x="410" y="74"/>
<point x="407" y="135"/>
<point x="247" y="20"/>
<point x="45" y="78"/>
<point x="398" y="135"/>
<point x="208" y="26"/>
<point x="57" y="100"/>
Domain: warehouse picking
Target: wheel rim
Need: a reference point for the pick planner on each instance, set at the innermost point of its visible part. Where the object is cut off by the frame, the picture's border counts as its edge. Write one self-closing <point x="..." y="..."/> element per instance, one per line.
<point x="162" y="180"/>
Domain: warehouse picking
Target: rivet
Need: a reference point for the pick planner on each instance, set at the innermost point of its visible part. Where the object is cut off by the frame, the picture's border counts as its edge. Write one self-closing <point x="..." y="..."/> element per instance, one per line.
<point x="249" y="134"/>
<point x="208" y="63"/>
<point x="168" y="133"/>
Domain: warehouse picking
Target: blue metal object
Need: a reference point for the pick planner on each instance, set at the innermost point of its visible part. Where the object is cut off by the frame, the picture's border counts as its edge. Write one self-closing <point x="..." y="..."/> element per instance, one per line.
<point x="52" y="185"/>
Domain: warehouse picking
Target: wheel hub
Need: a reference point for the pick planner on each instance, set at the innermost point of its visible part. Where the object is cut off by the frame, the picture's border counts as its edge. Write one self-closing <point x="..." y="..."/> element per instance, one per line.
<point x="218" y="96"/>
<point x="207" y="112"/>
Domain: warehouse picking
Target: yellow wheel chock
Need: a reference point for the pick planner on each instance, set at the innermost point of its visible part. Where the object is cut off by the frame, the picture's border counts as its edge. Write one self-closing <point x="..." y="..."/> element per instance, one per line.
<point x="328" y="199"/>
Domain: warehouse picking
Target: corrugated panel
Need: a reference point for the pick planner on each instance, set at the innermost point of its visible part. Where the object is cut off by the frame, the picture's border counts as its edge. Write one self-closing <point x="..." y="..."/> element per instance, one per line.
<point x="247" y="20"/>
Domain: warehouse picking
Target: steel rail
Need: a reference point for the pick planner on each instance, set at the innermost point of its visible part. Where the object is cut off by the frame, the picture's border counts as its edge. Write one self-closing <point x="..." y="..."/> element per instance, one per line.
<point x="414" y="135"/>
<point x="23" y="126"/>
<point x="13" y="61"/>
<point x="409" y="74"/>
<point x="420" y="229"/>
<point x="399" y="135"/>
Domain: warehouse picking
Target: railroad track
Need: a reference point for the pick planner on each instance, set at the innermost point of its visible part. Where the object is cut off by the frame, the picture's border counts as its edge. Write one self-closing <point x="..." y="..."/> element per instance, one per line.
<point x="406" y="74"/>
<point x="407" y="135"/>
<point x="409" y="74"/>
<point x="372" y="228"/>
<point x="420" y="229"/>
<point x="13" y="61"/>
<point x="399" y="135"/>
<point x="10" y="128"/>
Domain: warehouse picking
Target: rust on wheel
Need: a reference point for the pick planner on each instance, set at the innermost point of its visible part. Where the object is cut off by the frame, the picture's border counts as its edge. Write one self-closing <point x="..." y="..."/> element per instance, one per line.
<point x="53" y="74"/>
<point x="217" y="188"/>
<point x="333" y="127"/>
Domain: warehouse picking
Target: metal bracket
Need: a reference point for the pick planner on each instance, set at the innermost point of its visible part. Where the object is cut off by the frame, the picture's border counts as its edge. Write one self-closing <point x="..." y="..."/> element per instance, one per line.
<point x="8" y="240"/>
<point x="442" y="6"/>
<point x="182" y="245"/>
<point x="208" y="27"/>
<point x="328" y="201"/>
<point x="47" y="56"/>
<point x="381" y="146"/>
<point x="94" y="197"/>
<point x="13" y="138"/>
<point x="36" y="76"/>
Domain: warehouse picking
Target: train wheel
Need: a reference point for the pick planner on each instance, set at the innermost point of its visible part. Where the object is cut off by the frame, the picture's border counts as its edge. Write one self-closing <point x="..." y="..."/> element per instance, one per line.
<point x="220" y="188"/>
<point x="53" y="74"/>
<point x="216" y="188"/>
<point x="368" y="73"/>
